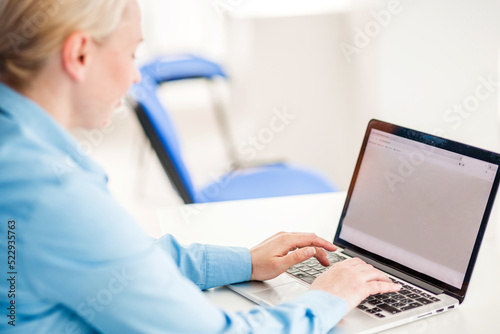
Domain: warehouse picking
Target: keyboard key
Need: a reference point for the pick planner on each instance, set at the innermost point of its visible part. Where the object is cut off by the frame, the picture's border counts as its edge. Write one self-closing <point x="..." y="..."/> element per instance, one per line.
<point x="362" y="307"/>
<point x="312" y="271"/>
<point x="305" y="277"/>
<point x="334" y="260"/>
<point x="388" y="308"/>
<point x="413" y="295"/>
<point x="376" y="309"/>
<point x="434" y="299"/>
<point x="374" y="302"/>
<point x="398" y="305"/>
<point x="308" y="279"/>
<point x="410" y="306"/>
<point x="389" y="300"/>
<point x="379" y="315"/>
<point x="423" y="301"/>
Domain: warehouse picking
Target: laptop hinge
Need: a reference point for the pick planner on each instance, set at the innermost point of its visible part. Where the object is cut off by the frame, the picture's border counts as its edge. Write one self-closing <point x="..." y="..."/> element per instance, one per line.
<point x="395" y="272"/>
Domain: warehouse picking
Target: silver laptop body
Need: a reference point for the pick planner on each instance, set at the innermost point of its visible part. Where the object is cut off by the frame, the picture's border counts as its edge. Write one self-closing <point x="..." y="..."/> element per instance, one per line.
<point x="417" y="208"/>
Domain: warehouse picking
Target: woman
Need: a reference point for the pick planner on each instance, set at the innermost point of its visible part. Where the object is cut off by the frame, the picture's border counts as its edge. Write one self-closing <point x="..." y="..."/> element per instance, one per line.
<point x="82" y="265"/>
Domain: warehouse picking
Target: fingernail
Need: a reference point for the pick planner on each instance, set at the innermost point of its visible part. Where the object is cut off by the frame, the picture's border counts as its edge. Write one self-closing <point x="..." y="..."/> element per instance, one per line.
<point x="310" y="252"/>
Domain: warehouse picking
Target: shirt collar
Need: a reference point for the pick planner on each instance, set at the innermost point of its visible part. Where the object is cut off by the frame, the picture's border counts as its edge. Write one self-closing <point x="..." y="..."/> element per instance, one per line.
<point x="41" y="124"/>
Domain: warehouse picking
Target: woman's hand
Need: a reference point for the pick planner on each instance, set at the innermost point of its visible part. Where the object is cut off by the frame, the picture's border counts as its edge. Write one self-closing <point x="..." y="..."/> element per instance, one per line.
<point x="353" y="280"/>
<point x="276" y="254"/>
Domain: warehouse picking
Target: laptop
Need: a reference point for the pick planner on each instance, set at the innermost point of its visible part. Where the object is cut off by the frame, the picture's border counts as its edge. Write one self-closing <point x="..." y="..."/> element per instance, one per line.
<point x="417" y="209"/>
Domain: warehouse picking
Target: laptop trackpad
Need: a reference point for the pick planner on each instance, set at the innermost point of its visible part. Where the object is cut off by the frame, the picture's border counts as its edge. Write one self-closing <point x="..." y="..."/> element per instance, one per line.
<point x="282" y="293"/>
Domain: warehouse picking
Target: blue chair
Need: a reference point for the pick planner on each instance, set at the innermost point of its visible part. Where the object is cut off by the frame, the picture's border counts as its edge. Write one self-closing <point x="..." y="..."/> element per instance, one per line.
<point x="257" y="182"/>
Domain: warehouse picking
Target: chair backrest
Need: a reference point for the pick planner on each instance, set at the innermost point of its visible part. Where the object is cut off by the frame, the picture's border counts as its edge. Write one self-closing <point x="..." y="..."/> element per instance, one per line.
<point x="157" y="123"/>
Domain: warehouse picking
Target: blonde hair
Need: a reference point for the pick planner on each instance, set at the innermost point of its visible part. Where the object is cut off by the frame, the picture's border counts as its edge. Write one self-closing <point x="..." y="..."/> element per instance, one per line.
<point x="33" y="30"/>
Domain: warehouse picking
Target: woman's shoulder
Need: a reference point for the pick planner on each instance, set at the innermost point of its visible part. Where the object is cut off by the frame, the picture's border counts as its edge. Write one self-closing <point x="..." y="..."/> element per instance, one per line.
<point x="23" y="157"/>
<point x="30" y="168"/>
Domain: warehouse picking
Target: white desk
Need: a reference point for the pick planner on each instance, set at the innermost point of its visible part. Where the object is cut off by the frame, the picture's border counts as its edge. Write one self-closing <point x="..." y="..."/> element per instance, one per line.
<point x="246" y="223"/>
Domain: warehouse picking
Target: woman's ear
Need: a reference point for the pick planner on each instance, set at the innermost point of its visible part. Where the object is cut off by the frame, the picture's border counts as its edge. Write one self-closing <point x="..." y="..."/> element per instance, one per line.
<point x="76" y="55"/>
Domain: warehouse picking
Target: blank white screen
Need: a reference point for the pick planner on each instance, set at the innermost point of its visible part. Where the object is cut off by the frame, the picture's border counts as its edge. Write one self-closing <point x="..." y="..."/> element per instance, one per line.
<point x="418" y="205"/>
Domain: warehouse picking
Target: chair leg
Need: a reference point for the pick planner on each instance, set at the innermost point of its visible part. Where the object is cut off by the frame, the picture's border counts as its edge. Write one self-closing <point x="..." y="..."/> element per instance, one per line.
<point x="223" y="125"/>
<point x="227" y="137"/>
<point x="144" y="152"/>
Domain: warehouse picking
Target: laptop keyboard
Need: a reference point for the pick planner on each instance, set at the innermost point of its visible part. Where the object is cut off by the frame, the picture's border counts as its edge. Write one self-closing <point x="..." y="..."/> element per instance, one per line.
<point x="380" y="305"/>
<point x="308" y="270"/>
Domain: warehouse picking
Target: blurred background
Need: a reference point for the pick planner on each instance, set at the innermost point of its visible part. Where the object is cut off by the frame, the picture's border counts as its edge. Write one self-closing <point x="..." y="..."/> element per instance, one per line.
<point x="329" y="66"/>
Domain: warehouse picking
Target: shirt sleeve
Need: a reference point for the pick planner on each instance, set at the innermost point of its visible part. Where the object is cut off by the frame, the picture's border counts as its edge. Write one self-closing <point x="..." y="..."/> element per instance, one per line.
<point x="209" y="266"/>
<point x="89" y="260"/>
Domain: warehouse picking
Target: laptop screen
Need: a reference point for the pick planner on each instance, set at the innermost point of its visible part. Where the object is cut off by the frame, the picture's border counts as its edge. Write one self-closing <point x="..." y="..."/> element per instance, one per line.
<point x="417" y="204"/>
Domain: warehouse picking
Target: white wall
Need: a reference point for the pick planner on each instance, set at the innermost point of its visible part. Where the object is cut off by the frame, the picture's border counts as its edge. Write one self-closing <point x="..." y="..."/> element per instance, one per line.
<point x="415" y="70"/>
<point x="430" y="57"/>
<point x="174" y="26"/>
<point x="425" y="58"/>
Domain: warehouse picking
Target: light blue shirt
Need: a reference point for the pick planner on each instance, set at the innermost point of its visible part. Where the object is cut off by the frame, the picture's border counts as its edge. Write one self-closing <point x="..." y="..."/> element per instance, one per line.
<point x="80" y="264"/>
